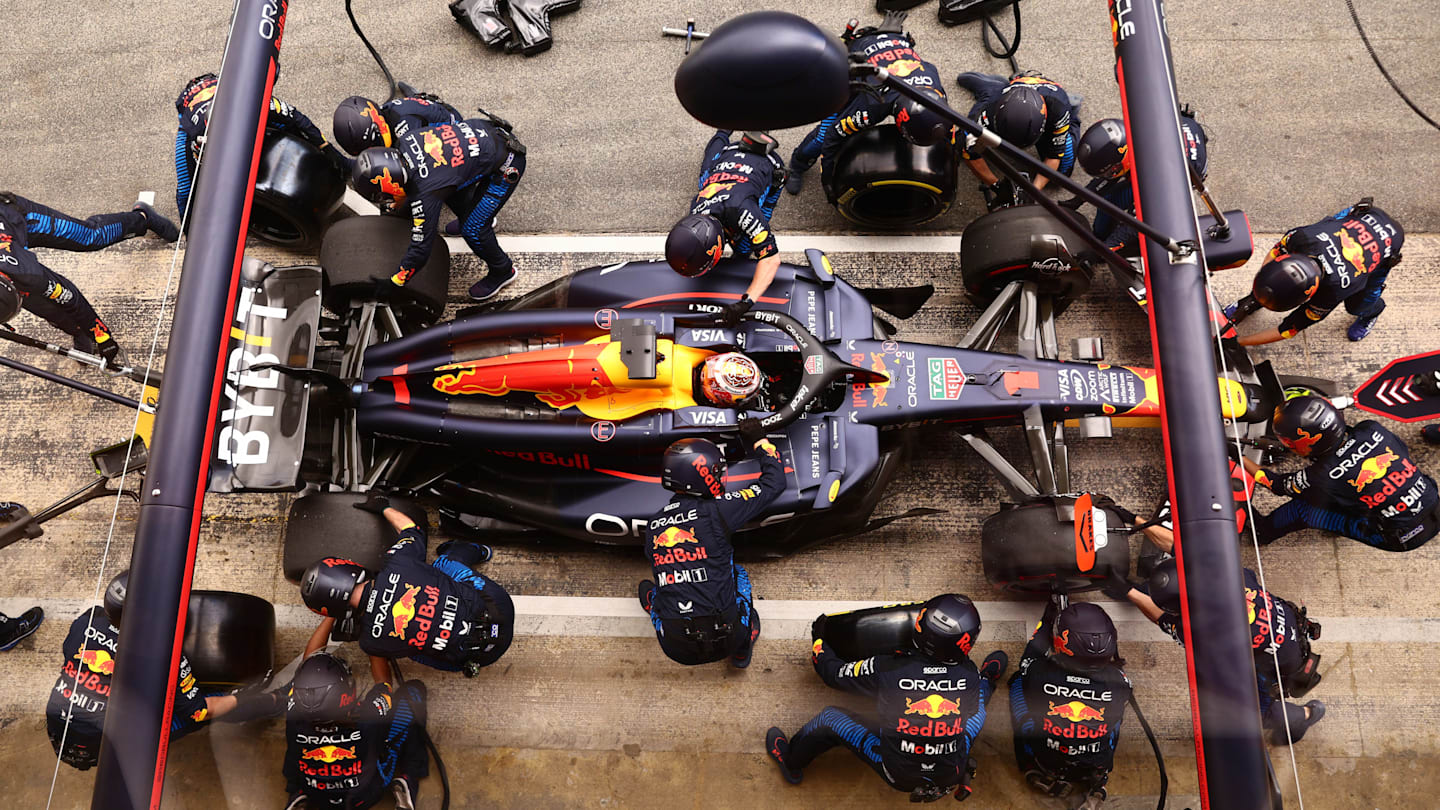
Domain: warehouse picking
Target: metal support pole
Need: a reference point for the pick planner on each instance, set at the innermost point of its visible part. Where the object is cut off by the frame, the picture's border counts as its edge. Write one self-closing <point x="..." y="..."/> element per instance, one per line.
<point x="1231" y="757"/>
<point x="131" y="773"/>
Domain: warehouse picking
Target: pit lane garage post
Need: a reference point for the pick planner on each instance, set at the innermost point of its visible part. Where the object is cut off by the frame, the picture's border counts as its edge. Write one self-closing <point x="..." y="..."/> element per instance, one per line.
<point x="132" y="755"/>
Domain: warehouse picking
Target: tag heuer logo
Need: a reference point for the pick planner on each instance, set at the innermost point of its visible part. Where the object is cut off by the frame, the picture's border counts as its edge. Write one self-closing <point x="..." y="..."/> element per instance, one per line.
<point x="946" y="378"/>
<point x="815" y="364"/>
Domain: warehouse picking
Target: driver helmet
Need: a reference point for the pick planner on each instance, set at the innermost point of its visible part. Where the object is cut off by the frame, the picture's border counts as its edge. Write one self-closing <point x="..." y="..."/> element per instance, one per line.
<point x="115" y="596"/>
<point x="9" y="298"/>
<point x="1165" y="585"/>
<point x="359" y="125"/>
<point x="695" y="244"/>
<point x="327" y="585"/>
<point x="919" y="123"/>
<point x="946" y="629"/>
<point x="1019" y="115"/>
<point x="728" y="379"/>
<point x="1103" y="149"/>
<point x="1083" y="637"/>
<point x="1309" y="425"/>
<point x="381" y="174"/>
<point x="323" y="689"/>
<point x="1286" y="281"/>
<point x="695" y="467"/>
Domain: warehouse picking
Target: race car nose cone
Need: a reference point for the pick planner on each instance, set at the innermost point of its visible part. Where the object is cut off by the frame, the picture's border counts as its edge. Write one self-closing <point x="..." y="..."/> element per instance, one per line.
<point x="764" y="70"/>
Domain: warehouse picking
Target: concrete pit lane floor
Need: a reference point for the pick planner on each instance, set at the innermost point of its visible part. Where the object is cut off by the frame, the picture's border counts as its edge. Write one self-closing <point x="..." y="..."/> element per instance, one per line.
<point x="585" y="711"/>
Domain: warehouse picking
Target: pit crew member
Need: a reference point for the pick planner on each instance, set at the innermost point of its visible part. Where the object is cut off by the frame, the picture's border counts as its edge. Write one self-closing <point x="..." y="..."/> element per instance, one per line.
<point x="930" y="705"/>
<point x="360" y="123"/>
<point x="1028" y="110"/>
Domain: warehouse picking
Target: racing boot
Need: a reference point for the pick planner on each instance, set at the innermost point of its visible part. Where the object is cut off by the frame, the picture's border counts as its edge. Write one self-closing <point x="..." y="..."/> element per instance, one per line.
<point x="647" y="594"/>
<point x="994" y="666"/>
<point x="741" y="660"/>
<point x="452" y="228"/>
<point x="493" y="282"/>
<point x="1431" y="434"/>
<point x="465" y="552"/>
<point x="794" y="179"/>
<point x="401" y="789"/>
<point x="1300" y="718"/>
<point x="158" y="225"/>
<point x="13" y="631"/>
<point x="1361" y="327"/>
<point x="778" y="746"/>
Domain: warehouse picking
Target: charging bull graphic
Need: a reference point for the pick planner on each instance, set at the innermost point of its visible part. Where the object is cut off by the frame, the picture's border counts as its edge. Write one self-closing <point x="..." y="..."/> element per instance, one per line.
<point x="932" y="706"/>
<point x="433" y="147"/>
<point x="329" y="753"/>
<point x="674" y="536"/>
<point x="1075" y="711"/>
<point x="1373" y="469"/>
<point x="97" y="661"/>
<point x="404" y="610"/>
<point x="1352" y="251"/>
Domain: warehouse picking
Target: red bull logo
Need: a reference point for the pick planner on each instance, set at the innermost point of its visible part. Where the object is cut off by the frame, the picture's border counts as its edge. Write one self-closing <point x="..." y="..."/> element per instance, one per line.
<point x="1250" y="605"/>
<point x="381" y="125"/>
<point x="1075" y="711"/>
<point x="403" y="610"/>
<point x="1061" y="643"/>
<point x="1302" y="442"/>
<point x="199" y="715"/>
<point x="711" y="189"/>
<point x="932" y="706"/>
<point x="329" y="753"/>
<point x="433" y="147"/>
<point x="1373" y="469"/>
<point x="1352" y="251"/>
<point x="878" y="390"/>
<point x="98" y="661"/>
<point x="388" y="185"/>
<point x="673" y="537"/>
<point x="904" y="67"/>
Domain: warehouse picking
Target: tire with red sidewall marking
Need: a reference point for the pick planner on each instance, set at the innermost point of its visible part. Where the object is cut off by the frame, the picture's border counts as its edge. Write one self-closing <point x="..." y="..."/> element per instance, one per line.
<point x="1026" y="548"/>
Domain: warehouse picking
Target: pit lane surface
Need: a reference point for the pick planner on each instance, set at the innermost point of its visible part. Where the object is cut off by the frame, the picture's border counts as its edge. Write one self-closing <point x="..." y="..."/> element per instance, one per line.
<point x="585" y="711"/>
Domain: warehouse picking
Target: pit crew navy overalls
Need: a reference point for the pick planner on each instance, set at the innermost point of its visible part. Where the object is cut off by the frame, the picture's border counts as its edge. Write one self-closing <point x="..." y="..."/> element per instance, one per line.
<point x="1277" y="633"/>
<point x="194" y="105"/>
<point x="26" y="224"/>
<point x="869" y="106"/>
<point x="1122" y="237"/>
<point x="1066" y="723"/>
<point x="470" y="166"/>
<point x="928" y="713"/>
<point x="414" y="113"/>
<point x="441" y="614"/>
<point x="740" y="188"/>
<point x="83" y="690"/>
<point x="350" y="765"/>
<point x="1367" y="489"/>
<point x="703" y="610"/>
<point x="1356" y="249"/>
<point x="1061" y="132"/>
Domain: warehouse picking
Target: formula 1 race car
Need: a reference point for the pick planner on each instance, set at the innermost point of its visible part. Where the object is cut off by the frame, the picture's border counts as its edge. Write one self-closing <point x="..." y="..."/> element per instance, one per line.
<point x="544" y="417"/>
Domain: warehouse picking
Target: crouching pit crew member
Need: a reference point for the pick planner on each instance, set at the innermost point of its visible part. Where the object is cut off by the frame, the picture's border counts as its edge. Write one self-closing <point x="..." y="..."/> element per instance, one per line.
<point x="738" y="188"/>
<point x="930" y="705"/>
<point x="1345" y="257"/>
<point x="1067" y="700"/>
<point x="1361" y="481"/>
<point x="443" y="615"/>
<point x="75" y="712"/>
<point x="1028" y="110"/>
<point x="700" y="600"/>
<point x="472" y="167"/>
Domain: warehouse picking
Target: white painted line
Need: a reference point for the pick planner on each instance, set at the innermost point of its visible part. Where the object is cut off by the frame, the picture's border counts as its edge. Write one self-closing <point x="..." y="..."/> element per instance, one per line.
<point x="652" y="245"/>
<point x="789" y="619"/>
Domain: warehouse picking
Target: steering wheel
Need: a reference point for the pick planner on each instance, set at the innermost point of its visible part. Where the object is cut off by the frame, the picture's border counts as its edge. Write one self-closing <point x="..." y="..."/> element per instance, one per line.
<point x="819" y="365"/>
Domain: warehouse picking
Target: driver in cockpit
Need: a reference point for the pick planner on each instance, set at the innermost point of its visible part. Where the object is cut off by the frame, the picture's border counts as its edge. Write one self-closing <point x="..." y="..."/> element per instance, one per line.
<point x="727" y="380"/>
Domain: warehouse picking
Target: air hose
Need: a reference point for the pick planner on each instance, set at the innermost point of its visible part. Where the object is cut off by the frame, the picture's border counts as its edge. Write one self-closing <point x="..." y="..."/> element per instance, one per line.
<point x="1154" y="744"/>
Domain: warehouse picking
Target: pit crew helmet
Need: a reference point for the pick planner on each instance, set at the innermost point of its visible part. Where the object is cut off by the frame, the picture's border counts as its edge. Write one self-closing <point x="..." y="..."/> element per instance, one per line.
<point x="359" y="125"/>
<point x="327" y="585"/>
<point x="115" y="596"/>
<point x="380" y="175"/>
<point x="1286" y="281"/>
<point x="919" y="123"/>
<point x="1083" y="636"/>
<point x="323" y="690"/>
<point x="1103" y="149"/>
<point x="946" y="628"/>
<point x="728" y="379"/>
<point x="1165" y="586"/>
<point x="695" y="467"/>
<point x="1309" y="426"/>
<point x="694" y="245"/>
<point x="1018" y="116"/>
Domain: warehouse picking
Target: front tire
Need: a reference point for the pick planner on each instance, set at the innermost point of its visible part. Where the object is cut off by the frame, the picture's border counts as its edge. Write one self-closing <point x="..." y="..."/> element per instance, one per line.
<point x="883" y="181"/>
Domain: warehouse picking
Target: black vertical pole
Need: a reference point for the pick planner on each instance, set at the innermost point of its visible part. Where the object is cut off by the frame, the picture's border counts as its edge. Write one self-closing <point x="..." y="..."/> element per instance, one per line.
<point x="1230" y="753"/>
<point x="137" y="723"/>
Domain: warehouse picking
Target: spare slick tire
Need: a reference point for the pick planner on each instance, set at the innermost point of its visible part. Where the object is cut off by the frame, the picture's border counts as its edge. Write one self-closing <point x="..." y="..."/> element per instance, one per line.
<point x="360" y="254"/>
<point x="229" y="638"/>
<point x="1029" y="549"/>
<point x="296" y="188"/>
<point x="883" y="181"/>
<point x="996" y="249"/>
<point x="327" y="524"/>
<point x="859" y="634"/>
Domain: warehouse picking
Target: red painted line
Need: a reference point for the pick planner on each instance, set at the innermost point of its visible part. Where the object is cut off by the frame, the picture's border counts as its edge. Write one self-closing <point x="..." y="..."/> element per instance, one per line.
<point x="764" y="299"/>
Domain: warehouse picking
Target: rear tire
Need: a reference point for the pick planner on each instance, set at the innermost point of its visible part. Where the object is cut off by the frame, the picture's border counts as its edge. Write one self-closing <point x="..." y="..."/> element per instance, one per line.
<point x="296" y="188"/>
<point x="1027" y="549"/>
<point x="326" y="524"/>
<point x="995" y="250"/>
<point x="859" y="634"/>
<point x="229" y="638"/>
<point x="361" y="253"/>
<point x="883" y="181"/>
